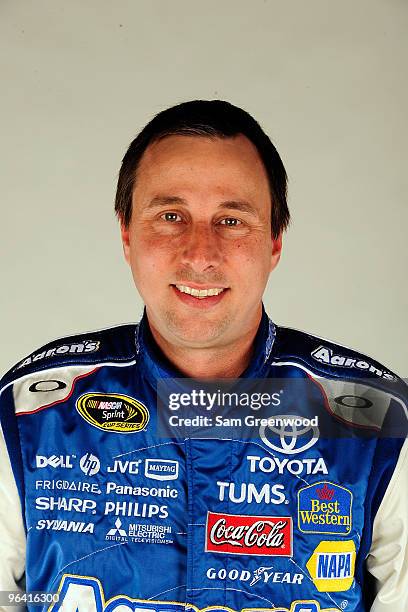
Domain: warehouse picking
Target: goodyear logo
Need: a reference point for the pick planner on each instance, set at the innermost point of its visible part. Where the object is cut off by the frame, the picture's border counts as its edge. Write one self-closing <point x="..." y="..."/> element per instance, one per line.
<point x="331" y="565"/>
<point x="113" y="412"/>
<point x="325" y="507"/>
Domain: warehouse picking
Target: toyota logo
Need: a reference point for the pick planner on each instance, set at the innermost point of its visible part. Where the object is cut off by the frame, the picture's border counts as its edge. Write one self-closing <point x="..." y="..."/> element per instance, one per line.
<point x="289" y="433"/>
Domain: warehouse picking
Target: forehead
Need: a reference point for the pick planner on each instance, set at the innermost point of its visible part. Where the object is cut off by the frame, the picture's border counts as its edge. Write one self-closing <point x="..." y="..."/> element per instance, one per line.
<point x="200" y="162"/>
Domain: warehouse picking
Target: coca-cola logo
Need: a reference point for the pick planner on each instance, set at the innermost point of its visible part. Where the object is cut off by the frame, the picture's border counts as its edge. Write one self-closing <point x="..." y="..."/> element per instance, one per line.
<point x="249" y="535"/>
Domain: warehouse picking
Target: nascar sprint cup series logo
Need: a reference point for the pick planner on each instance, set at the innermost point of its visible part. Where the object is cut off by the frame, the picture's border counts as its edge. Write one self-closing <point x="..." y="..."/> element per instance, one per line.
<point x="113" y="412"/>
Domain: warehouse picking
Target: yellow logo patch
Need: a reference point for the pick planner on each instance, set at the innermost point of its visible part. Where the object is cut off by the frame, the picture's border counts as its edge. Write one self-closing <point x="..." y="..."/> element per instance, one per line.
<point x="331" y="565"/>
<point x="113" y="412"/>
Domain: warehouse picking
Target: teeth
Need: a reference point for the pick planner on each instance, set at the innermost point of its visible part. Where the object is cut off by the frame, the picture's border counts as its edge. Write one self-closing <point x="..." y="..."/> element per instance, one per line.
<point x="200" y="293"/>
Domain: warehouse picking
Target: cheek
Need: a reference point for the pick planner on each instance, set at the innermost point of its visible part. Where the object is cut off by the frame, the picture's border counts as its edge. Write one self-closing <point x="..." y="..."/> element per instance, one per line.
<point x="150" y="259"/>
<point x="254" y="256"/>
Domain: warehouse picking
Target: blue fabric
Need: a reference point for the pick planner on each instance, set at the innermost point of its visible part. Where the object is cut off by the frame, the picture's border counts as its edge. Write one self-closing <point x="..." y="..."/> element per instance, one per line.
<point x="128" y="518"/>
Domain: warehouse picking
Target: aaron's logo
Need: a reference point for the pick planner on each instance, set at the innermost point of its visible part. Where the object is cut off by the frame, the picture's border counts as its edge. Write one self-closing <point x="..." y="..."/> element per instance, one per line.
<point x="113" y="412"/>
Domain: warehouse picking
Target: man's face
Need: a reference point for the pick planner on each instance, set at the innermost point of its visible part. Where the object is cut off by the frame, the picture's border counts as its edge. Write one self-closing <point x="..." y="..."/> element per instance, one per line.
<point x="201" y="222"/>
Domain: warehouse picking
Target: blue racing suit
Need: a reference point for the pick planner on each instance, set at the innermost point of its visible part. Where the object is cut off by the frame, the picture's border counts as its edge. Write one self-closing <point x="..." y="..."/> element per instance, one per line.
<point x="97" y="506"/>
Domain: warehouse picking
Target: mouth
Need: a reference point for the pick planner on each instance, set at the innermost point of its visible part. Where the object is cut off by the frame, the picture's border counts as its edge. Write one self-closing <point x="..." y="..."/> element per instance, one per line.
<point x="200" y="293"/>
<point x="200" y="297"/>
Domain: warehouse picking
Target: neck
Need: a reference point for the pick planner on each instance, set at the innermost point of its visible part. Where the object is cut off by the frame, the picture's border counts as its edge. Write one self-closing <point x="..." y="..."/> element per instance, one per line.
<point x="228" y="361"/>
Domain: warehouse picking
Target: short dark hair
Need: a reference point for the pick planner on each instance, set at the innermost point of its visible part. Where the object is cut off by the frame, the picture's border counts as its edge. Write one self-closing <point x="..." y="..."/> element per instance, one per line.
<point x="210" y="118"/>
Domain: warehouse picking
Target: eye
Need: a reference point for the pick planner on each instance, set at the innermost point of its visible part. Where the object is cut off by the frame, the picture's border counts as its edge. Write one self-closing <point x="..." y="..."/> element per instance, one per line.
<point x="230" y="222"/>
<point x="171" y="216"/>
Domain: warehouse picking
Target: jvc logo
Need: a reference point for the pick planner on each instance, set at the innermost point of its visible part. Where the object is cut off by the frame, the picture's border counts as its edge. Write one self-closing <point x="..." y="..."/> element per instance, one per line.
<point x="55" y="461"/>
<point x="132" y="467"/>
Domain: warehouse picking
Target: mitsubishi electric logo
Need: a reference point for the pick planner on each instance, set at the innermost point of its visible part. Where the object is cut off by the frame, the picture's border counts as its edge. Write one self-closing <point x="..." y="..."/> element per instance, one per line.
<point x="117" y="531"/>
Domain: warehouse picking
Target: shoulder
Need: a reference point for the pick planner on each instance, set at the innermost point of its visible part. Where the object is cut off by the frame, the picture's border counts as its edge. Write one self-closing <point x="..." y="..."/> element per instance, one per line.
<point x="326" y="357"/>
<point x="109" y="345"/>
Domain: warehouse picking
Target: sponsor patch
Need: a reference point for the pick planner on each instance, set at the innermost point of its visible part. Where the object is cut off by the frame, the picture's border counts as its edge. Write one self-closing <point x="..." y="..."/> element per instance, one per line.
<point x="113" y="412"/>
<point x="84" y="346"/>
<point x="331" y="565"/>
<point x="161" y="469"/>
<point x="325" y="507"/>
<point x="237" y="534"/>
<point x="74" y="590"/>
<point x="326" y="355"/>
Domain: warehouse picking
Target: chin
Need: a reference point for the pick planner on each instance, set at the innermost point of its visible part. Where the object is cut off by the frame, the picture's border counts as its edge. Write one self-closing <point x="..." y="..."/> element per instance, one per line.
<point x="196" y="332"/>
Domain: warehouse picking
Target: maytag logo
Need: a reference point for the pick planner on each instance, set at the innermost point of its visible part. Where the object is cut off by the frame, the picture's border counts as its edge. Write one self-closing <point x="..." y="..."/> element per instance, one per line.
<point x="249" y="535"/>
<point x="113" y="412"/>
<point x="161" y="469"/>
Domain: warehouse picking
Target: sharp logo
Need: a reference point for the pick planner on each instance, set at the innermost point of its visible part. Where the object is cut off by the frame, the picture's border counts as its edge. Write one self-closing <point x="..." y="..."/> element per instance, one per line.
<point x="331" y="565"/>
<point x="55" y="461"/>
<point x="85" y="594"/>
<point x="326" y="355"/>
<point x="68" y="504"/>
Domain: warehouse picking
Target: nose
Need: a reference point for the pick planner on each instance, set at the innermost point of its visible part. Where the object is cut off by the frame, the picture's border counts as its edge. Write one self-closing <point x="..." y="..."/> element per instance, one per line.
<point x="201" y="249"/>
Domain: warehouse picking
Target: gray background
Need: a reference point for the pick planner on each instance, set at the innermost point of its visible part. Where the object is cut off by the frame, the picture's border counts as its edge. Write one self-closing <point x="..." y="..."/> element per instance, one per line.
<point x="327" y="81"/>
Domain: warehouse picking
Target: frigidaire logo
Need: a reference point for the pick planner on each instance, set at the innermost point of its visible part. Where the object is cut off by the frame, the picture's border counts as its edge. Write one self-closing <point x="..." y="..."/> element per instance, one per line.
<point x="113" y="412"/>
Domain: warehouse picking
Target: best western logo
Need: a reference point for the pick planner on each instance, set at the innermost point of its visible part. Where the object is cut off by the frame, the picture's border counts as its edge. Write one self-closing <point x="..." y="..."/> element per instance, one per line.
<point x="331" y="565"/>
<point x="325" y="507"/>
<point x="113" y="412"/>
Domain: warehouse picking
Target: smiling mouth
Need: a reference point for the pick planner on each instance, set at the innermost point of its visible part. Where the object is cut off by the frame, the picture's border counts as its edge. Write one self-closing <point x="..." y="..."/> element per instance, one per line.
<point x="200" y="293"/>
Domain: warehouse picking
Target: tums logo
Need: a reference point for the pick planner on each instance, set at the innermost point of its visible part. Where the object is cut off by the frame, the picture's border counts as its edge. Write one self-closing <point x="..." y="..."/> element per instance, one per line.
<point x="249" y="535"/>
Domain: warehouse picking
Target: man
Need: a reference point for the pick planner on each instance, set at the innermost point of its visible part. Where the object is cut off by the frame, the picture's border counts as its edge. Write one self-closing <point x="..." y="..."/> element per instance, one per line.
<point x="100" y="507"/>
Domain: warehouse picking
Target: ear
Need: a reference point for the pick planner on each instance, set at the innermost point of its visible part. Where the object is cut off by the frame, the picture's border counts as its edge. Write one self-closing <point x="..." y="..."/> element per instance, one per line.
<point x="124" y="232"/>
<point x="276" y="251"/>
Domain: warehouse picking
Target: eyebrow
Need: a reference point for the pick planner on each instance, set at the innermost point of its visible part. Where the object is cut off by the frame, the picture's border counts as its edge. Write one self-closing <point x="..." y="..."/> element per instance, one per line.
<point x="240" y="205"/>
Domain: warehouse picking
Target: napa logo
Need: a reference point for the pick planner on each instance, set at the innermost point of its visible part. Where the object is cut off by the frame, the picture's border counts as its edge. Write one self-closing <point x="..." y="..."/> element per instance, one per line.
<point x="331" y="565"/>
<point x="113" y="412"/>
<point x="325" y="507"/>
<point x="85" y="594"/>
